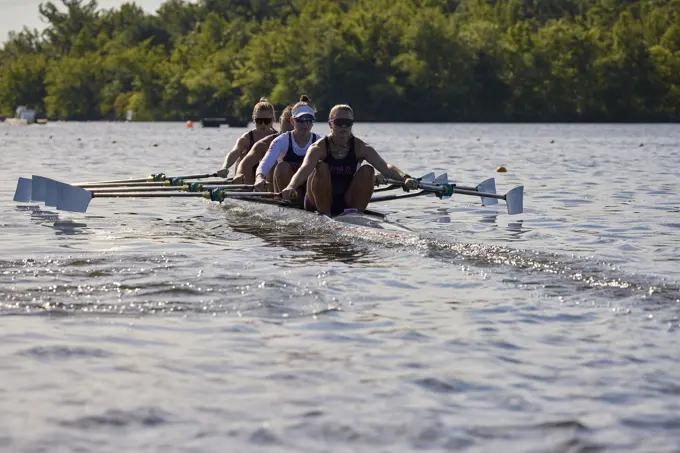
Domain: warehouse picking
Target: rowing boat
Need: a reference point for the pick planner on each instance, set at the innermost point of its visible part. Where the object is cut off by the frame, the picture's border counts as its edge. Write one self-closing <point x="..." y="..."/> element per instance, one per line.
<point x="77" y="197"/>
<point x="368" y="218"/>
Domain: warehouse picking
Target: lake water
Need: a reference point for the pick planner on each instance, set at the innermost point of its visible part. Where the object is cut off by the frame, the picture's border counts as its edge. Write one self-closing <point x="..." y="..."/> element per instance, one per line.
<point x="182" y="325"/>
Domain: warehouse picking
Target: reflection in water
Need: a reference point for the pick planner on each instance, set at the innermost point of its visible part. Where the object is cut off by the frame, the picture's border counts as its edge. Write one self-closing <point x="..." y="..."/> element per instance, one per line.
<point x="516" y="228"/>
<point x="321" y="243"/>
<point x="27" y="207"/>
<point x="69" y="228"/>
<point x="489" y="218"/>
<point x="52" y="219"/>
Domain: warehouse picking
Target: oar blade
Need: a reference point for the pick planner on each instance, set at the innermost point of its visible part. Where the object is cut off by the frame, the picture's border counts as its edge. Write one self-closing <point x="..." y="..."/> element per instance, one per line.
<point x="428" y="178"/>
<point x="441" y="179"/>
<point x="24" y="190"/>
<point x="73" y="199"/>
<point x="488" y="186"/>
<point x="515" y="200"/>
<point x="38" y="190"/>
<point x="50" y="192"/>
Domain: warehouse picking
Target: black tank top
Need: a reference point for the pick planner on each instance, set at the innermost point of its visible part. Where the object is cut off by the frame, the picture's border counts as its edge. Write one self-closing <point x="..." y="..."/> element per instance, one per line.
<point x="252" y="138"/>
<point x="342" y="170"/>
<point x="290" y="156"/>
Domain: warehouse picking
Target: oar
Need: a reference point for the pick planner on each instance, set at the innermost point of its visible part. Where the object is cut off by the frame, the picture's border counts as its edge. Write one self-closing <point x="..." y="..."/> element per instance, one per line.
<point x="486" y="186"/>
<point x="24" y="190"/>
<point x="160" y="177"/>
<point x="399" y="196"/>
<point x="77" y="199"/>
<point x="194" y="187"/>
<point x="430" y="177"/>
<point x="39" y="188"/>
<point x="513" y="199"/>
<point x="168" y="183"/>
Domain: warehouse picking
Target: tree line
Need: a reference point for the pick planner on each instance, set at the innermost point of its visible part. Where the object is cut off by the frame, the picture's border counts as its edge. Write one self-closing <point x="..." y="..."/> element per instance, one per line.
<point x="392" y="60"/>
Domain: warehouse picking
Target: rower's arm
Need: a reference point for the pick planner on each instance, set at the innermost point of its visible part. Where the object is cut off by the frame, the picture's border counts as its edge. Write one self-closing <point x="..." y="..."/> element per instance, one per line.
<point x="233" y="155"/>
<point x="314" y="154"/>
<point x="270" y="157"/>
<point x="254" y="156"/>
<point x="371" y="156"/>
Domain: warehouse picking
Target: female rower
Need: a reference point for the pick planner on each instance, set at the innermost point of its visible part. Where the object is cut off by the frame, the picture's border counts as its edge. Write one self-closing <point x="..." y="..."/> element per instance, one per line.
<point x="263" y="117"/>
<point x="245" y="171"/>
<point x="332" y="172"/>
<point x="289" y="148"/>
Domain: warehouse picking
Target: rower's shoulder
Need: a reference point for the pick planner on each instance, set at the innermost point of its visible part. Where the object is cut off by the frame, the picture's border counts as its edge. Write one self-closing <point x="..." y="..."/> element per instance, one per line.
<point x="319" y="139"/>
<point x="246" y="134"/>
<point x="360" y="144"/>
<point x="318" y="143"/>
<point x="277" y="138"/>
<point x="244" y="139"/>
<point x="267" y="139"/>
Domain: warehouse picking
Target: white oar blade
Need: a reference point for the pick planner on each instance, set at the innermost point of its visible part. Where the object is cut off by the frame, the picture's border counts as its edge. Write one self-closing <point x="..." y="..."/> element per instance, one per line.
<point x="515" y="200"/>
<point x="50" y="192"/>
<point x="441" y="179"/>
<point x="70" y="198"/>
<point x="38" y="191"/>
<point x="428" y="178"/>
<point x="488" y="186"/>
<point x="24" y="189"/>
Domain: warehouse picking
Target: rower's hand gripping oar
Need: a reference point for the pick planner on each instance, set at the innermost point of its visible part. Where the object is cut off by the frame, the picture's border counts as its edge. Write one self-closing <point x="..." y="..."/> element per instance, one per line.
<point x="381" y="180"/>
<point x="513" y="199"/>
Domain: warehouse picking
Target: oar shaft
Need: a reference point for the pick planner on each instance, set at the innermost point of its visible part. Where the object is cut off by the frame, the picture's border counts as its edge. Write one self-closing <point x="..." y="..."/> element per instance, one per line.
<point x="175" y="194"/>
<point x="423" y="185"/>
<point x="151" y="178"/>
<point x="397" y="197"/>
<point x="184" y="188"/>
<point x="455" y="189"/>
<point x="462" y="190"/>
<point x="148" y="184"/>
<point x="149" y="194"/>
<point x="228" y="187"/>
<point x="135" y="189"/>
<point x="123" y="184"/>
<point x="478" y="194"/>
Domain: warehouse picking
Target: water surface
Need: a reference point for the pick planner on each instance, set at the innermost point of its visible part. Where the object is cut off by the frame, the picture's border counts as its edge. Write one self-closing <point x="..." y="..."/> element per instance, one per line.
<point x="185" y="325"/>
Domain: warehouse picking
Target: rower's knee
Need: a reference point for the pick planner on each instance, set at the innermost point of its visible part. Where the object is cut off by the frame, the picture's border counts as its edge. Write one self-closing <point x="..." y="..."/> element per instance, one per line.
<point x="323" y="170"/>
<point x="320" y="179"/>
<point x="365" y="172"/>
<point x="284" y="169"/>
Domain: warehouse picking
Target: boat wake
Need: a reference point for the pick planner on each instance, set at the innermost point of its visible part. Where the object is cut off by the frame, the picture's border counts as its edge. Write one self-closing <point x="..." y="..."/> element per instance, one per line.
<point x="571" y="279"/>
<point x="143" y="279"/>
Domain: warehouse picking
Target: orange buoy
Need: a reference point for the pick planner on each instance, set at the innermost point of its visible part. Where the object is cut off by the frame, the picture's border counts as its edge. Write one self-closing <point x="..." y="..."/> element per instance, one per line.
<point x="501" y="169"/>
<point x="190" y="124"/>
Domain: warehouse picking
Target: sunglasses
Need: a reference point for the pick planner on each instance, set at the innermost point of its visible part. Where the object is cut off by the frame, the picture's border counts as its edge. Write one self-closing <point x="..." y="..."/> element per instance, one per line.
<point x="305" y="119"/>
<point x="263" y="120"/>
<point x="343" y="122"/>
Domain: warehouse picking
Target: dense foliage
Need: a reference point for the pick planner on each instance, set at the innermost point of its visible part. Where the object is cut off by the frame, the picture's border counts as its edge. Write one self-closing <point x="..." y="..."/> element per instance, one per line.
<point x="393" y="60"/>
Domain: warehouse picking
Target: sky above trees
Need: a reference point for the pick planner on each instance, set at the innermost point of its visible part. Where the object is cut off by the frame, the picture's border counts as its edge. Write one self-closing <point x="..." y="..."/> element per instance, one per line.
<point x="15" y="14"/>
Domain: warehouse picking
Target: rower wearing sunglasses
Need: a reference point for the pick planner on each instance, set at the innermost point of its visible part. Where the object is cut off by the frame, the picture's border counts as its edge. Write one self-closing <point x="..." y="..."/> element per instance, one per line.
<point x="245" y="171"/>
<point x="333" y="173"/>
<point x="289" y="149"/>
<point x="263" y="117"/>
